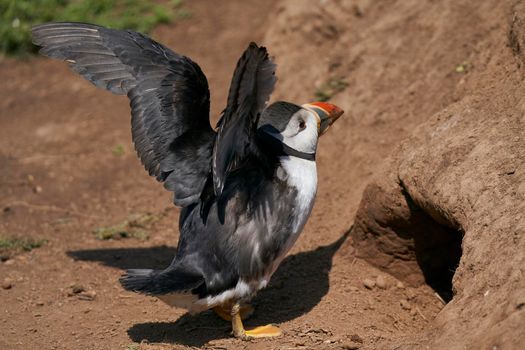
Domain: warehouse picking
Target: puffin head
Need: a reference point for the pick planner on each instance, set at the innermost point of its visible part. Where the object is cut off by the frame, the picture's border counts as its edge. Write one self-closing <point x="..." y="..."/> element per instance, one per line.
<point x="293" y="130"/>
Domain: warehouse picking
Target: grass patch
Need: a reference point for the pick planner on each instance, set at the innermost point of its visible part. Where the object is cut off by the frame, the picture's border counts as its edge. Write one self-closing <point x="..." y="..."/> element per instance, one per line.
<point x="18" y="16"/>
<point x="463" y="67"/>
<point x="329" y="89"/>
<point x="11" y="246"/>
<point x="137" y="226"/>
<point x="118" y="150"/>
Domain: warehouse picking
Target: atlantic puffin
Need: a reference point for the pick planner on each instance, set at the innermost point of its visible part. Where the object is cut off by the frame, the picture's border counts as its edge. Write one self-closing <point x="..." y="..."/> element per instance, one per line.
<point x="246" y="188"/>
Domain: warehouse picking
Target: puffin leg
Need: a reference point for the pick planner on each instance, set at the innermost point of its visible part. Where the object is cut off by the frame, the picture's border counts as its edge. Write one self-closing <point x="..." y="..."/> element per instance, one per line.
<point x="258" y="332"/>
<point x="237" y="327"/>
<point x="224" y="311"/>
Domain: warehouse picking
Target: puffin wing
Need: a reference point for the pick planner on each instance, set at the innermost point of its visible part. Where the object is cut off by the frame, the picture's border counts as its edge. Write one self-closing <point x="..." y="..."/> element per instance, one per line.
<point x="252" y="84"/>
<point x="168" y="94"/>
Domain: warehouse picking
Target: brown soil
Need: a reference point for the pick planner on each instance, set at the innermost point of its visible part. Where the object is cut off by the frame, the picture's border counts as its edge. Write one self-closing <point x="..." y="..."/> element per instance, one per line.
<point x="452" y="200"/>
<point x="69" y="168"/>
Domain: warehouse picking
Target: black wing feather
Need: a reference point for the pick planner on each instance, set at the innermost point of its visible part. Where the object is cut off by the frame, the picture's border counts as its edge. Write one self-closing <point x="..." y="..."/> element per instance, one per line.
<point x="156" y="282"/>
<point x="252" y="83"/>
<point x="168" y="94"/>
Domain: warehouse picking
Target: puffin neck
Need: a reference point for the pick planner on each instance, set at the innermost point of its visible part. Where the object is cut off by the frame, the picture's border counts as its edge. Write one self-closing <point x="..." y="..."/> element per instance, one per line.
<point x="278" y="148"/>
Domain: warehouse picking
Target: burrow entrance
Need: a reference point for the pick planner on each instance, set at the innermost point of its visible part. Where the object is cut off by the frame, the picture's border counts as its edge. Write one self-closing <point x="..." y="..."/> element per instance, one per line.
<point x="437" y="248"/>
<point x="395" y="234"/>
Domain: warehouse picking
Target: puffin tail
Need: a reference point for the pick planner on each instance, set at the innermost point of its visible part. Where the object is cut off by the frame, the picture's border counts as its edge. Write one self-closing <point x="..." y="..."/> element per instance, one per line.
<point x="139" y="280"/>
<point x="157" y="282"/>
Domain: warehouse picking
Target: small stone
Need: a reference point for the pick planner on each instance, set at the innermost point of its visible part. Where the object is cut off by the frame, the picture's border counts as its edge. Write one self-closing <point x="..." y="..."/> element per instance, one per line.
<point x="400" y="285"/>
<point x="381" y="282"/>
<point x="357" y="11"/>
<point x="405" y="304"/>
<point x="9" y="262"/>
<point x="368" y="283"/>
<point x="214" y="343"/>
<point x="410" y="294"/>
<point x="40" y="303"/>
<point x="30" y="178"/>
<point x="356" y="338"/>
<point x="318" y="331"/>
<point x="88" y="296"/>
<point x="76" y="288"/>
<point x="7" y="284"/>
<point x="352" y="289"/>
<point x="37" y="189"/>
<point x="350" y="346"/>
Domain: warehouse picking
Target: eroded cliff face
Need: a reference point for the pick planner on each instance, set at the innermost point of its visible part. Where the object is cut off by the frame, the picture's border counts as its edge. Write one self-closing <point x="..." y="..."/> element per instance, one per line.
<point x="435" y="136"/>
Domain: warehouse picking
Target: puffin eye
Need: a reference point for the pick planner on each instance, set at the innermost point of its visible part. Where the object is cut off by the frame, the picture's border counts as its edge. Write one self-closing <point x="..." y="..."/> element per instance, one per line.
<point x="302" y="125"/>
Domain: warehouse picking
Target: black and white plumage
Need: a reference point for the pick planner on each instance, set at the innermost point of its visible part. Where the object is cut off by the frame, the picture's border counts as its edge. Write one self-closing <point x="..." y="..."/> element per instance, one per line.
<point x="246" y="188"/>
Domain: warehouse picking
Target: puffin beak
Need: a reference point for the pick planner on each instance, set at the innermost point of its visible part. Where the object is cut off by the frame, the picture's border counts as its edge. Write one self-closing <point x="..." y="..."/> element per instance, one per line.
<point x="327" y="112"/>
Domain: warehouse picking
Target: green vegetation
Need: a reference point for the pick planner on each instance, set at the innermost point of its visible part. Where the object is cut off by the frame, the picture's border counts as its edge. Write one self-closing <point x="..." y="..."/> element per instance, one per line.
<point x="137" y="226"/>
<point x="332" y="87"/>
<point x="118" y="150"/>
<point x="463" y="67"/>
<point x="18" y="16"/>
<point x="11" y="246"/>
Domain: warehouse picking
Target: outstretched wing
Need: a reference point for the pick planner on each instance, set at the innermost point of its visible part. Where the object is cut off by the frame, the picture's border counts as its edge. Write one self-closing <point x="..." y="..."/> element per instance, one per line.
<point x="168" y="92"/>
<point x="252" y="84"/>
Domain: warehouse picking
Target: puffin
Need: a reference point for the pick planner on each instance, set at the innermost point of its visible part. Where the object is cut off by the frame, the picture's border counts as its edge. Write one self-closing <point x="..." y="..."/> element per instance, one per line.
<point x="246" y="187"/>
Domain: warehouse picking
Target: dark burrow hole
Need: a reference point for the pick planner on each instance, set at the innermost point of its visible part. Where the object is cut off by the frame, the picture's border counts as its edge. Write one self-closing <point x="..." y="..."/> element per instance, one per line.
<point x="437" y="246"/>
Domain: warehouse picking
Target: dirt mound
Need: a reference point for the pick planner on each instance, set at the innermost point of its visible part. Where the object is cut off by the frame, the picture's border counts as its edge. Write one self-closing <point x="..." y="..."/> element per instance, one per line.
<point x="460" y="176"/>
<point x="452" y="196"/>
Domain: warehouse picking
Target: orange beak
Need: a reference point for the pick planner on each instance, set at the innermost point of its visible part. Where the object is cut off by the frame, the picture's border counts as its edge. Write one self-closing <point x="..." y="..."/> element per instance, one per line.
<point x="327" y="113"/>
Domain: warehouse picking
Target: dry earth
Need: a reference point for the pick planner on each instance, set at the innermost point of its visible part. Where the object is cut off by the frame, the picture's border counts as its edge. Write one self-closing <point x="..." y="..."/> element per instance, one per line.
<point x="404" y="67"/>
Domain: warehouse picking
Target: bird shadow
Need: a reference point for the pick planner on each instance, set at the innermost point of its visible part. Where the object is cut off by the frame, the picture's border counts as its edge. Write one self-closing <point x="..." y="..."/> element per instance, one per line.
<point x="297" y="286"/>
<point x="128" y="258"/>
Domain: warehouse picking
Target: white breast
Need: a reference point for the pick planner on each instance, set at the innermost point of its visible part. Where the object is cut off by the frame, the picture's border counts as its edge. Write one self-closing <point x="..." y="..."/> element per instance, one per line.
<point x="301" y="174"/>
